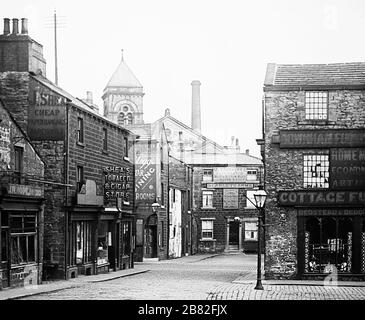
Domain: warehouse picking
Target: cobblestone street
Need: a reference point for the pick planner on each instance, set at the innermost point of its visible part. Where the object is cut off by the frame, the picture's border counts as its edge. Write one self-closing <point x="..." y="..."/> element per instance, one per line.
<point x="217" y="277"/>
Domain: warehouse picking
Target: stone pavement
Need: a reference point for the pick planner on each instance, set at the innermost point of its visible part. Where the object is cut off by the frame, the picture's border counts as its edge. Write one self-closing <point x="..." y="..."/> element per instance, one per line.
<point x="54" y="286"/>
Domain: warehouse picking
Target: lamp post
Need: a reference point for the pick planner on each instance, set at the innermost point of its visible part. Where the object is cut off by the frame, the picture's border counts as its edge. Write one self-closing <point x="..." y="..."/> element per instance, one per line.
<point x="260" y="198"/>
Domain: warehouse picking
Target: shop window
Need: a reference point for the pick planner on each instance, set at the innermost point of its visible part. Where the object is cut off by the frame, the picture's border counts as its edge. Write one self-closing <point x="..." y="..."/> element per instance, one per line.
<point x="328" y="243"/>
<point x="207" y="229"/>
<point x="104" y="240"/>
<point x="22" y="239"/>
<point x="162" y="195"/>
<point x="207" y="175"/>
<point x="83" y="242"/>
<point x="80" y="130"/>
<point x="316" y="105"/>
<point x="4" y="245"/>
<point x="250" y="231"/>
<point x="251" y="175"/>
<point x="316" y="171"/>
<point x="207" y="197"/>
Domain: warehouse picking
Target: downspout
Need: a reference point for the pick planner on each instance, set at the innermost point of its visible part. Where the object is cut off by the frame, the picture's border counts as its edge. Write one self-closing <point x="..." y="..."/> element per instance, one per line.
<point x="191" y="208"/>
<point x="168" y="204"/>
<point x="66" y="154"/>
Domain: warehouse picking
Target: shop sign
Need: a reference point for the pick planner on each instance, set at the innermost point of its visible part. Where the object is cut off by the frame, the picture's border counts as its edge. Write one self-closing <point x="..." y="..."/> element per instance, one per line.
<point x="46" y="118"/>
<point x="322" y="138"/>
<point x="321" y="198"/>
<point x="25" y="190"/>
<point x="347" y="168"/>
<point x="230" y="198"/>
<point x="4" y="145"/>
<point x="230" y="185"/>
<point x="118" y="183"/>
<point x="331" y="212"/>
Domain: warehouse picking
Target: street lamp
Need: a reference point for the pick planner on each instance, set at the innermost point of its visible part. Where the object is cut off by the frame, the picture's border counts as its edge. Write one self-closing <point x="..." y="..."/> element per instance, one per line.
<point x="155" y="206"/>
<point x="260" y="198"/>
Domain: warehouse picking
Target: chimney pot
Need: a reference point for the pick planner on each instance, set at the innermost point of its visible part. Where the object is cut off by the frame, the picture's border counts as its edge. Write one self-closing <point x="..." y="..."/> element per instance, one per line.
<point x="24" y="26"/>
<point x="237" y="144"/>
<point x="15" y="26"/>
<point x="248" y="151"/>
<point x="167" y="112"/>
<point x="6" y="25"/>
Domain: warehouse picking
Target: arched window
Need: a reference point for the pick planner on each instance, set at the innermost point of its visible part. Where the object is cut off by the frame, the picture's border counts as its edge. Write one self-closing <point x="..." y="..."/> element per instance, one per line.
<point x="126" y="116"/>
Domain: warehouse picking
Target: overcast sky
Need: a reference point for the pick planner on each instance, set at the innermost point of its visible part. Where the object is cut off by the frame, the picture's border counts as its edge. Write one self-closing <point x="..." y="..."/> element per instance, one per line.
<point x="168" y="43"/>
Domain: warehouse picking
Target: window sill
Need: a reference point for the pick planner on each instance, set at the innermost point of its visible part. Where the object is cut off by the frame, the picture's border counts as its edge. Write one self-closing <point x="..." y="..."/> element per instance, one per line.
<point x="80" y="144"/>
<point x="208" y="208"/>
<point x="316" y="122"/>
<point x="206" y="240"/>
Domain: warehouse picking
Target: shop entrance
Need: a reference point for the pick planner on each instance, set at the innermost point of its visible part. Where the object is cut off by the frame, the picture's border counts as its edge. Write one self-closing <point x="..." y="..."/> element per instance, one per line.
<point x="234" y="234"/>
<point x="151" y="237"/>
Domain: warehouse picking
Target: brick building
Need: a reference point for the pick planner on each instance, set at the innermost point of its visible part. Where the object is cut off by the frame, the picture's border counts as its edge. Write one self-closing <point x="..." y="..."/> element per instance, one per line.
<point x="314" y="147"/>
<point x="21" y="206"/>
<point x="88" y="216"/>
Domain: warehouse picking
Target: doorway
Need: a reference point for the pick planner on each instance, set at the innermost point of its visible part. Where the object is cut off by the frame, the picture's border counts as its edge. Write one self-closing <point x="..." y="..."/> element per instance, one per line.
<point x="234" y="234"/>
<point x="151" y="237"/>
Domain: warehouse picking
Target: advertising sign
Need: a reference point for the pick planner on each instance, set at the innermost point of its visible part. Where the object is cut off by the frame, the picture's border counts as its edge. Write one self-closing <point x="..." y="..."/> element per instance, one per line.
<point x="322" y="138"/>
<point x="118" y="183"/>
<point x="321" y="198"/>
<point x="47" y="114"/>
<point x="145" y="187"/>
<point x="230" y="198"/>
<point x="347" y="168"/>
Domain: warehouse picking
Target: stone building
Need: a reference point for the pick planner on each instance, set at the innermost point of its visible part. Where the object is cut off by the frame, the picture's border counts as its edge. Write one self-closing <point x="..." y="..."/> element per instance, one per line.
<point x="21" y="206"/>
<point x="313" y="148"/>
<point x="88" y="165"/>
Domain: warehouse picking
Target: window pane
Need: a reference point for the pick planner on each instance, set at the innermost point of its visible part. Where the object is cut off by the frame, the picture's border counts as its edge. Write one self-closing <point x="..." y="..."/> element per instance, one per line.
<point x="29" y="224"/>
<point x="16" y="224"/>
<point x="15" y="259"/>
<point x="31" y="248"/>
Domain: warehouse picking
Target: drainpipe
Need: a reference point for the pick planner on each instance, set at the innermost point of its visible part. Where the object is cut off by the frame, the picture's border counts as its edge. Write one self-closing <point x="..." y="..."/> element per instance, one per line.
<point x="168" y="203"/>
<point x="66" y="157"/>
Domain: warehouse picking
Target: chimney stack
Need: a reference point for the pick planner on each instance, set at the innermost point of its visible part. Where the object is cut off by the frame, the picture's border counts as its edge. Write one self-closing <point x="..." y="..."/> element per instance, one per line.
<point x="15" y="26"/>
<point x="232" y="141"/>
<point x="237" y="144"/>
<point x="6" y="25"/>
<point x="195" y="106"/>
<point x="24" y="26"/>
<point x="248" y="152"/>
<point x="89" y="97"/>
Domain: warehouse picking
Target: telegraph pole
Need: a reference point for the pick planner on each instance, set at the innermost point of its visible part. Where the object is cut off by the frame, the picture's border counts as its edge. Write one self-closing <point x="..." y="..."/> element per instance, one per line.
<point x="55" y="47"/>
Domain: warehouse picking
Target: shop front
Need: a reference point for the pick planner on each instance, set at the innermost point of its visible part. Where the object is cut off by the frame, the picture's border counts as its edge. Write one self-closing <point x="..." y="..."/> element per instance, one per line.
<point x="21" y="241"/>
<point x="331" y="239"/>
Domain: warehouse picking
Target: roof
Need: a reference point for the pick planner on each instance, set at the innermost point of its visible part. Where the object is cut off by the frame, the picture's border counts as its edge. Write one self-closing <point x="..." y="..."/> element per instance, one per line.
<point x="142" y="131"/>
<point x="333" y="74"/>
<point x="123" y="77"/>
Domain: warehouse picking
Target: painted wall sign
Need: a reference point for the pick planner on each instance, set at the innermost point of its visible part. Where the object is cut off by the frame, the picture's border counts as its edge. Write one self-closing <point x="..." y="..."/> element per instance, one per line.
<point x="230" y="198"/>
<point x="145" y="186"/>
<point x="321" y="198"/>
<point x="118" y="183"/>
<point x="25" y="190"/>
<point x="230" y="185"/>
<point x="230" y="174"/>
<point x="47" y="116"/>
<point x="347" y="168"/>
<point x="322" y="138"/>
<point x="4" y="145"/>
<point x="331" y="212"/>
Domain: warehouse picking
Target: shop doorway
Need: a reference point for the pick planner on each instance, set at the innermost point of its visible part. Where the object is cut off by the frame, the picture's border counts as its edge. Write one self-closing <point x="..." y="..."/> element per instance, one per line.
<point x="151" y="237"/>
<point x="234" y="235"/>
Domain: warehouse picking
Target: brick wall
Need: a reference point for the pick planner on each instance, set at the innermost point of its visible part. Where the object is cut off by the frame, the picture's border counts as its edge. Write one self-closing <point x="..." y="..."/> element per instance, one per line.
<point x="284" y="167"/>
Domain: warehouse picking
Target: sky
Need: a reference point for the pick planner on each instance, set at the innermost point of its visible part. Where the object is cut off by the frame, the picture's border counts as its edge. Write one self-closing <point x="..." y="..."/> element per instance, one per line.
<point x="224" y="44"/>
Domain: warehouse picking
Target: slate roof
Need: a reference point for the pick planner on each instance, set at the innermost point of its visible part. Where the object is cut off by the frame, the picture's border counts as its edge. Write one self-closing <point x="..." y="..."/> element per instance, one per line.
<point x="333" y="74"/>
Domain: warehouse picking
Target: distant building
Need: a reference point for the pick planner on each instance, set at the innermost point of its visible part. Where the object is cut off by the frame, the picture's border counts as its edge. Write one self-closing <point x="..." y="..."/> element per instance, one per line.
<point x="314" y="152"/>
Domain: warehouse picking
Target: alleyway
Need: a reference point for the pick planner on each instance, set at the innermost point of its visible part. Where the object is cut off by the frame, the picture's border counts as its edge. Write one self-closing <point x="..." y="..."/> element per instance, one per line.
<point x="226" y="276"/>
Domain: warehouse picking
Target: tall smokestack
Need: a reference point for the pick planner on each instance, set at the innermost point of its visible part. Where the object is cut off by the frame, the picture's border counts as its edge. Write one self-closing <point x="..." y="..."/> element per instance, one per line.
<point x="15" y="26"/>
<point x="89" y="97"/>
<point x="24" y="26"/>
<point x="6" y="25"/>
<point x="195" y="106"/>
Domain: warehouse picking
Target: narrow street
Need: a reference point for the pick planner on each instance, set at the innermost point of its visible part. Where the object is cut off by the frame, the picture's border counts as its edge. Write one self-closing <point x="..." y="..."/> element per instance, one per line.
<point x="217" y="277"/>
